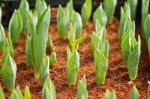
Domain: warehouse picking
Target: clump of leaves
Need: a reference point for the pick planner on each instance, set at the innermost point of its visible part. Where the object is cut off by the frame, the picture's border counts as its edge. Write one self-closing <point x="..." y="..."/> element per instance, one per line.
<point x="98" y="36"/>
<point x="66" y="17"/>
<point x="37" y="39"/>
<point x="144" y="11"/>
<point x="86" y="11"/>
<point x="109" y="7"/>
<point x="125" y="18"/>
<point x="110" y="94"/>
<point x="48" y="90"/>
<point x="24" y="8"/>
<point x="134" y="94"/>
<point x="15" y="26"/>
<point x="100" y="15"/>
<point x="8" y="70"/>
<point x="131" y="49"/>
<point x="72" y="37"/>
<point x="100" y="51"/>
<point x="82" y="92"/>
<point x="72" y="66"/>
<point x="101" y="62"/>
<point x="133" y="7"/>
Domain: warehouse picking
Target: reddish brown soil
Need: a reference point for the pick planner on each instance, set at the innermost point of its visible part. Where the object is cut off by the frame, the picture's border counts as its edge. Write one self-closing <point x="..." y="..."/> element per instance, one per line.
<point x="117" y="75"/>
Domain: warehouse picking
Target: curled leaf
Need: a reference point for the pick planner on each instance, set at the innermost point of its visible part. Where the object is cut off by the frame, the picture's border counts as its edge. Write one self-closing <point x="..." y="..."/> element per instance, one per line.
<point x="86" y="11"/>
<point x="48" y="90"/>
<point x="72" y="66"/>
<point x="146" y="27"/>
<point x="15" y="26"/>
<point x="44" y="70"/>
<point x="0" y="14"/>
<point x="24" y="8"/>
<point x="2" y="38"/>
<point x="82" y="92"/>
<point x="53" y="59"/>
<point x="50" y="43"/>
<point x="110" y="94"/>
<point x="27" y="94"/>
<point x="8" y="72"/>
<point x="144" y="11"/>
<point x="101" y="66"/>
<point x="16" y="94"/>
<point x="133" y="7"/>
<point x="62" y="21"/>
<point x="109" y="7"/>
<point x="134" y="94"/>
<point x="100" y="15"/>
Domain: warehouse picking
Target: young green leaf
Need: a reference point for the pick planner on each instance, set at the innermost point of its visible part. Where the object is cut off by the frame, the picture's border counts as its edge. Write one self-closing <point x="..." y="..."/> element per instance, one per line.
<point x="110" y="94"/>
<point x="8" y="72"/>
<point x="82" y="89"/>
<point x="28" y="51"/>
<point x="53" y="59"/>
<point x="148" y="44"/>
<point x="38" y="33"/>
<point x="146" y="27"/>
<point x="98" y="37"/>
<point x="133" y="7"/>
<point x="86" y="11"/>
<point x="2" y="38"/>
<point x="2" y="96"/>
<point x="125" y="18"/>
<point x="15" y="26"/>
<point x="72" y="66"/>
<point x="73" y="41"/>
<point x="78" y="23"/>
<point x="109" y="7"/>
<point x="27" y="94"/>
<point x="100" y="15"/>
<point x="134" y="94"/>
<point x="0" y="14"/>
<point x="44" y="70"/>
<point x="40" y="7"/>
<point x="101" y="65"/>
<point x="24" y="8"/>
<point x="48" y="90"/>
<point x="16" y="94"/>
<point x="9" y="45"/>
<point x="50" y="43"/>
<point x="133" y="59"/>
<point x="144" y="11"/>
<point x="62" y="22"/>
<point x="71" y="10"/>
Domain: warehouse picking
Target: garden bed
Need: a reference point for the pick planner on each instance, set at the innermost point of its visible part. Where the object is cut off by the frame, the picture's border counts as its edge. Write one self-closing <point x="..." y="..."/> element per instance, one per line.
<point x="117" y="75"/>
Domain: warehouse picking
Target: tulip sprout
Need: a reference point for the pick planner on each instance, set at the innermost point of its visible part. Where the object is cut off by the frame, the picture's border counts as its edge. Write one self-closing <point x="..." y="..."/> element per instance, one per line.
<point x="82" y="92"/>
<point x="86" y="11"/>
